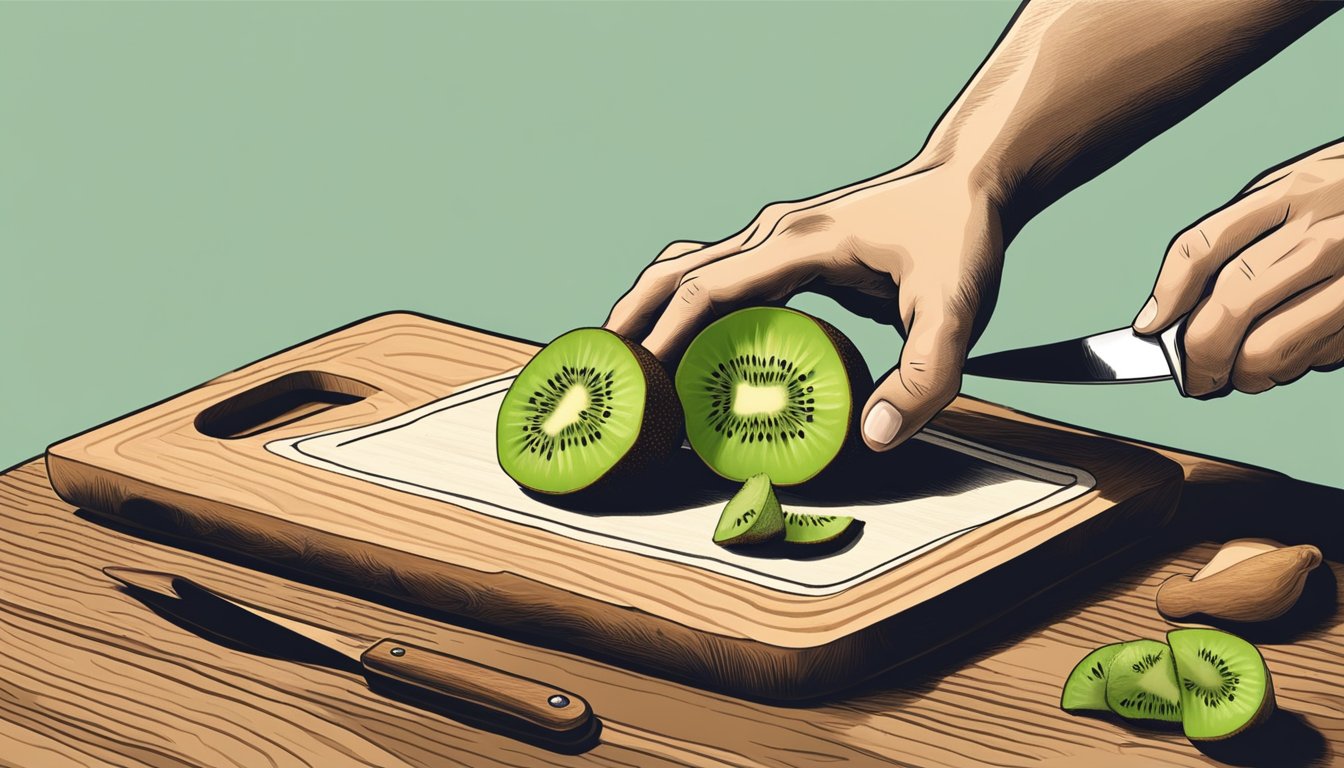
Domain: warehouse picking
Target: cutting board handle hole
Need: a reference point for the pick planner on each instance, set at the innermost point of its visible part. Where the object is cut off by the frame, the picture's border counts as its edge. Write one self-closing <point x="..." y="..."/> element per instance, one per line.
<point x="280" y="402"/>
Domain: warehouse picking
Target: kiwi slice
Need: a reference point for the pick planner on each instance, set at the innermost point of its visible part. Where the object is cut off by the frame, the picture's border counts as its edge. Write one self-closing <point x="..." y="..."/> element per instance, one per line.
<point x="800" y="528"/>
<point x="771" y="390"/>
<point x="1224" y="683"/>
<point x="752" y="516"/>
<point x="1085" y="689"/>
<point x="590" y="407"/>
<point x="1141" y="682"/>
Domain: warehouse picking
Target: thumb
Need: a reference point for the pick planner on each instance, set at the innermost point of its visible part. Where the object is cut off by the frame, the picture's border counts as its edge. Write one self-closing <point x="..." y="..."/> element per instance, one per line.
<point x="925" y="380"/>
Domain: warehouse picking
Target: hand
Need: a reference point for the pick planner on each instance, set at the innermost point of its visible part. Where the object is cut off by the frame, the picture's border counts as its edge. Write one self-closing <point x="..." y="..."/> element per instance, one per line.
<point x="1264" y="276"/>
<point x="920" y="248"/>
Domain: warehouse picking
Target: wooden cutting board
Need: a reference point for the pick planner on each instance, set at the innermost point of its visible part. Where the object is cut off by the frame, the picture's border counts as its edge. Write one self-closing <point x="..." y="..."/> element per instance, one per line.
<point x="209" y="466"/>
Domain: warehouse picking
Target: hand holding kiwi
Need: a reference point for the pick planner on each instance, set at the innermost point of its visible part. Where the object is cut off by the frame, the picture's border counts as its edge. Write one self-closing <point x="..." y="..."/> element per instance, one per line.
<point x="919" y="248"/>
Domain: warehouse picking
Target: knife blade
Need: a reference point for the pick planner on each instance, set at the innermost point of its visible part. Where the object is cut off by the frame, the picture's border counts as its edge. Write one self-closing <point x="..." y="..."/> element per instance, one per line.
<point x="525" y="708"/>
<point x="1120" y="356"/>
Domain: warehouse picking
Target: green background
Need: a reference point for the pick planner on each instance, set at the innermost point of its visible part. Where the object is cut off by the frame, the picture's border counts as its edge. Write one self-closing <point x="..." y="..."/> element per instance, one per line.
<point x="187" y="187"/>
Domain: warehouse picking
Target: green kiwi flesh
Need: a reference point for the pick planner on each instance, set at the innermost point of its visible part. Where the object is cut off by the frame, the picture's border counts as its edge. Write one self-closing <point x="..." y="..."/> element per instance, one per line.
<point x="1224" y="683"/>
<point x="1141" y="682"/>
<point x="752" y="516"/>
<point x="770" y="390"/>
<point x="814" y="529"/>
<point x="1085" y="688"/>
<point x="589" y="406"/>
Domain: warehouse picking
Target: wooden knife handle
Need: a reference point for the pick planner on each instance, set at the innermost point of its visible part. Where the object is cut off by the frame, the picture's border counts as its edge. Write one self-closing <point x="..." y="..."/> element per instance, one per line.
<point x="539" y="704"/>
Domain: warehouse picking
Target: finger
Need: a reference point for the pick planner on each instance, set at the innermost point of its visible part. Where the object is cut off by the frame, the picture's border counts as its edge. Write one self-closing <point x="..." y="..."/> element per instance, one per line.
<point x="1254" y="282"/>
<point x="770" y="272"/>
<point x="928" y="376"/>
<point x="1303" y="334"/>
<point x="1196" y="255"/>
<point x="633" y="310"/>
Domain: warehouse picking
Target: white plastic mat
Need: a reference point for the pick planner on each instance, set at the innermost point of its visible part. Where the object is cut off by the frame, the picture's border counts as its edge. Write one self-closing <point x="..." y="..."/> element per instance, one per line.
<point x="939" y="488"/>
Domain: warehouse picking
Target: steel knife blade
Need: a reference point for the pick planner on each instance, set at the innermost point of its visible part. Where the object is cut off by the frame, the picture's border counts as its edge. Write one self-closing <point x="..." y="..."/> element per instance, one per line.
<point x="1120" y="356"/>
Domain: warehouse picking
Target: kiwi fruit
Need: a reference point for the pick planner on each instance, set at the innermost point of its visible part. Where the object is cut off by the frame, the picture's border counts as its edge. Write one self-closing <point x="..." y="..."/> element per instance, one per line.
<point x="800" y="528"/>
<point x="771" y="390"/>
<point x="1141" y="682"/>
<point x="752" y="516"/>
<point x="1225" y="686"/>
<point x="589" y="408"/>
<point x="1085" y="689"/>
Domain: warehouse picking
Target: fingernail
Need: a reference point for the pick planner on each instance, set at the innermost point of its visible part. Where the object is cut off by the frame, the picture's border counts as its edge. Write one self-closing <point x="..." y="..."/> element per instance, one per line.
<point x="1146" y="315"/>
<point x="882" y="424"/>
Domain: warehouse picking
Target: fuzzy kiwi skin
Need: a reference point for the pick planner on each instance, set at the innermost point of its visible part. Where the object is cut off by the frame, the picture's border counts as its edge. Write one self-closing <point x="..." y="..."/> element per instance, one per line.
<point x="660" y="431"/>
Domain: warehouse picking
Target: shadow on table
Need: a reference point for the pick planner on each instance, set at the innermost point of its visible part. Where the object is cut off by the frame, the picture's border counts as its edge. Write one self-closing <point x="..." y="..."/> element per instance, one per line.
<point x="230" y="626"/>
<point x="1284" y="740"/>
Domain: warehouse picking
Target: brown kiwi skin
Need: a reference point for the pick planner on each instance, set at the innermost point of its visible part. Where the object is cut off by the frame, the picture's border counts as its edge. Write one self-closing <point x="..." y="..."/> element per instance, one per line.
<point x="860" y="389"/>
<point x="660" y="431"/>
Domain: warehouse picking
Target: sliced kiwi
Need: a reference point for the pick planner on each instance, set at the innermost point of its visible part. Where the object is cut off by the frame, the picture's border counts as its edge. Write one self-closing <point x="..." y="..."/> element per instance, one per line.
<point x="590" y="407"/>
<point x="1141" y="682"/>
<point x="771" y="390"/>
<point x="1224" y="683"/>
<point x="1085" y="688"/>
<point x="800" y="528"/>
<point x="752" y="516"/>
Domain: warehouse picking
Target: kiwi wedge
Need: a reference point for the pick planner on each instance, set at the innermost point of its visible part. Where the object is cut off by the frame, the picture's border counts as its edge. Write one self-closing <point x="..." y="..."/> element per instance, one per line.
<point x="1085" y="689"/>
<point x="800" y="528"/>
<point x="771" y="390"/>
<point x="1224" y="684"/>
<point x="1141" y="682"/>
<point x="752" y="516"/>
<point x="589" y="408"/>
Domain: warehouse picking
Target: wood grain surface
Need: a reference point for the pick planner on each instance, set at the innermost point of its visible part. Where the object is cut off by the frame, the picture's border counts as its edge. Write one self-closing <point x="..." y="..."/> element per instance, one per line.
<point x="168" y="468"/>
<point x="90" y="677"/>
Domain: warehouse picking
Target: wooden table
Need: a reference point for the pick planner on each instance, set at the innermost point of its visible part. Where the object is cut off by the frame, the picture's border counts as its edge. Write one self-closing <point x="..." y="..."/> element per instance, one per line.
<point x="89" y="676"/>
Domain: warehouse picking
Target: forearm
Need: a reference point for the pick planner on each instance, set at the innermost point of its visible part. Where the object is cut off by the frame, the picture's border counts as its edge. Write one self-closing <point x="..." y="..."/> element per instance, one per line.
<point x="1076" y="85"/>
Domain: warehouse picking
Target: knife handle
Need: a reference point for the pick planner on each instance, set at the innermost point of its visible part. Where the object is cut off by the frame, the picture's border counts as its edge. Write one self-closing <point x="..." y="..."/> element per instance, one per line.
<point x="538" y="704"/>
<point x="1171" y="343"/>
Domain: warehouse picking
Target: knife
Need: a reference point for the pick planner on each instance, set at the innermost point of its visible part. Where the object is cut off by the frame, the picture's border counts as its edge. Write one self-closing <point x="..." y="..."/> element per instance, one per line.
<point x="467" y="690"/>
<point x="1113" y="357"/>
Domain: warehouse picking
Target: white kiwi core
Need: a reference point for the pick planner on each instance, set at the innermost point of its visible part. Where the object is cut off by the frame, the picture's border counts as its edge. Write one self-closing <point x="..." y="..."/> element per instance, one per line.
<point x="567" y="411"/>
<point x="752" y="400"/>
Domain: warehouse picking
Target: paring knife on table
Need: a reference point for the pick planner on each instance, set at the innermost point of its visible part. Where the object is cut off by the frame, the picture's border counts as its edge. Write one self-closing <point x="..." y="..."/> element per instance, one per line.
<point x="1114" y="357"/>
<point x="523" y="708"/>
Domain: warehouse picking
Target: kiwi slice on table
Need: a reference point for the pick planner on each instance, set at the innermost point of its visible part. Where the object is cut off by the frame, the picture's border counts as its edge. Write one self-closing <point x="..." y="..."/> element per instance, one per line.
<point x="771" y="390"/>
<point x="1141" y="682"/>
<point x="801" y="528"/>
<point x="590" y="407"/>
<point x="1224" y="683"/>
<point x="1085" y="688"/>
<point x="752" y="516"/>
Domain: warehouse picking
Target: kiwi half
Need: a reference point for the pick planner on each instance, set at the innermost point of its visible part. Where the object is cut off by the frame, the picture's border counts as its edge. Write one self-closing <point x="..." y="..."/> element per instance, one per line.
<point x="752" y="516"/>
<point x="1141" y="682"/>
<point x="589" y="407"/>
<point x="771" y="390"/>
<point x="1086" y="687"/>
<point x="1224" y="684"/>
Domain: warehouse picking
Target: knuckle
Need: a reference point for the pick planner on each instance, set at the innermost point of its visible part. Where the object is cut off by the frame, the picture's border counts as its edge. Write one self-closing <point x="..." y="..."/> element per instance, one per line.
<point x="693" y="290"/>
<point x="771" y="213"/>
<point x="675" y="249"/>
<point x="1190" y="245"/>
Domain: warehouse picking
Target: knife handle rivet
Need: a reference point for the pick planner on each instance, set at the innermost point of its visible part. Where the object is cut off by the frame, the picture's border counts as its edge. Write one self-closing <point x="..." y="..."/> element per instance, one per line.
<point x="558" y="701"/>
<point x="398" y="651"/>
